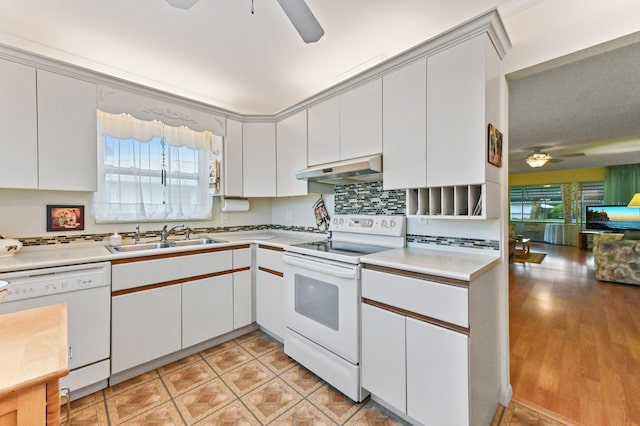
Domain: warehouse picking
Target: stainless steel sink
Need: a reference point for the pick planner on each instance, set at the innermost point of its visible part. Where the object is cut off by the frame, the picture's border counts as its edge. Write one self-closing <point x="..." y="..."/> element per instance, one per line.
<point x="196" y="242"/>
<point x="162" y="244"/>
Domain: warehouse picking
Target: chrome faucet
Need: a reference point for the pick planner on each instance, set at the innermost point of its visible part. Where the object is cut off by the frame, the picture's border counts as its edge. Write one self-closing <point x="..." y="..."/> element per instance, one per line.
<point x="136" y="238"/>
<point x="164" y="233"/>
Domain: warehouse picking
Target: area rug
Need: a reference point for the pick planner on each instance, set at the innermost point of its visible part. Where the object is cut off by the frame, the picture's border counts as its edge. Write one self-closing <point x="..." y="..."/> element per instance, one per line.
<point x="529" y="258"/>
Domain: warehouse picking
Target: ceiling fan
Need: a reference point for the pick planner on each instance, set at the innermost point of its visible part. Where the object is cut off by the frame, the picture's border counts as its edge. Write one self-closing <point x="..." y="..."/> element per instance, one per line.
<point x="297" y="11"/>
<point x="538" y="155"/>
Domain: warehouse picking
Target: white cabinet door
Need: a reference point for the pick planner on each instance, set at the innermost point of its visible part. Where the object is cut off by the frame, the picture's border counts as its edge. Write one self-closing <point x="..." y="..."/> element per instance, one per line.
<point x="242" y="288"/>
<point x="269" y="302"/>
<point x="361" y="121"/>
<point x="18" y="123"/>
<point x="457" y="132"/>
<point x="67" y="134"/>
<point x="383" y="355"/>
<point x="437" y="374"/>
<point x="207" y="309"/>
<point x="291" y="154"/>
<point x="404" y="137"/>
<point x="242" y="299"/>
<point x="324" y="132"/>
<point x="232" y="167"/>
<point x="259" y="159"/>
<point x="144" y="326"/>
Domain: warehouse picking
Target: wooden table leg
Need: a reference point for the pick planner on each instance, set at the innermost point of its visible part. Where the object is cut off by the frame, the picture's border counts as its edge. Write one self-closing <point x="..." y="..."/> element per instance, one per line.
<point x="53" y="403"/>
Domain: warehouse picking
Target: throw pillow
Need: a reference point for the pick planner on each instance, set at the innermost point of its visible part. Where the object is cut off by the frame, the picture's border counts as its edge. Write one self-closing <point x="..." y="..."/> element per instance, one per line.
<point x="631" y="235"/>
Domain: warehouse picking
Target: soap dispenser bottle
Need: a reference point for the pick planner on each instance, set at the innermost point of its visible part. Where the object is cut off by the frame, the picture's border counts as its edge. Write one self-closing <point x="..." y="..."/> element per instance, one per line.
<point x="115" y="239"/>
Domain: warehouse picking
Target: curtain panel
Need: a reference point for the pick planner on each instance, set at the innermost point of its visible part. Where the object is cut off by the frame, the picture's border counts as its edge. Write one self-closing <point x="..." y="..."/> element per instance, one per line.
<point x="149" y="171"/>
<point x="621" y="183"/>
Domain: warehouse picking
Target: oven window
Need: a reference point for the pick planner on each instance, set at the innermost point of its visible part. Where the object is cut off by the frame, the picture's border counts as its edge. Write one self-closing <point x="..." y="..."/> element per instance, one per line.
<point x="317" y="300"/>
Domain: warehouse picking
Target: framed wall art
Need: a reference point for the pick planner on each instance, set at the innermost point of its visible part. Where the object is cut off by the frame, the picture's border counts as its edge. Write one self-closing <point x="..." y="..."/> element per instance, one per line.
<point x="495" y="146"/>
<point x="65" y="218"/>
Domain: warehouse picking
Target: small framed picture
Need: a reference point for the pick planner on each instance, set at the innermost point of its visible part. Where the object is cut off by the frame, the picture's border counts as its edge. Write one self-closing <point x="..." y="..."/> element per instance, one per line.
<point x="495" y="146"/>
<point x="65" y="218"/>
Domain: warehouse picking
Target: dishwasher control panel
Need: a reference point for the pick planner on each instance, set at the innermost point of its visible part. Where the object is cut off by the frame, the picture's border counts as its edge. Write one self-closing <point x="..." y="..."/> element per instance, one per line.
<point x="44" y="282"/>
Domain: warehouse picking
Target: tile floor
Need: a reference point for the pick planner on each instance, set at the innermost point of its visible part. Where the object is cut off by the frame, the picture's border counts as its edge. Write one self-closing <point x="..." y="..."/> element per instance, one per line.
<point x="245" y="381"/>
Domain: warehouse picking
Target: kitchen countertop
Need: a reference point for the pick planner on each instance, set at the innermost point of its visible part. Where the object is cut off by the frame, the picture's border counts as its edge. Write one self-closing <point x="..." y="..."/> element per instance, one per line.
<point x="75" y="253"/>
<point x="462" y="265"/>
<point x="444" y="263"/>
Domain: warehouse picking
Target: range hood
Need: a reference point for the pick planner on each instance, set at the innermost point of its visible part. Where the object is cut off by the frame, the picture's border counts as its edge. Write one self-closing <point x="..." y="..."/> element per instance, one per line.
<point x="363" y="169"/>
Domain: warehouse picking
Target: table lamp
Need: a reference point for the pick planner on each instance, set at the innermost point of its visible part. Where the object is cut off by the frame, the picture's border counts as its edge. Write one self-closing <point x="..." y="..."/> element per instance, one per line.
<point x="635" y="201"/>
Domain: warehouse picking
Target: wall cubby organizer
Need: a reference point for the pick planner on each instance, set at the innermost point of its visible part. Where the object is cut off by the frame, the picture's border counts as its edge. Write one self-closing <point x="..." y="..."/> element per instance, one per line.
<point x="478" y="201"/>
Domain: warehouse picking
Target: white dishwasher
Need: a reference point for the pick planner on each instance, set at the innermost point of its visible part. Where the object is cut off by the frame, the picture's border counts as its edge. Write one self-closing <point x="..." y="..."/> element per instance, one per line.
<point x="86" y="289"/>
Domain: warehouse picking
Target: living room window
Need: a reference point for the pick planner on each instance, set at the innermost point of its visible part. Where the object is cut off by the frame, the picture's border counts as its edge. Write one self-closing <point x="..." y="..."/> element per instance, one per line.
<point x="562" y="203"/>
<point x="149" y="171"/>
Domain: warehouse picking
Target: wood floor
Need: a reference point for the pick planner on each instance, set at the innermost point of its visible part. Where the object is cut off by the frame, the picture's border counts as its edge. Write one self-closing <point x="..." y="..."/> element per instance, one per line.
<point x="575" y="341"/>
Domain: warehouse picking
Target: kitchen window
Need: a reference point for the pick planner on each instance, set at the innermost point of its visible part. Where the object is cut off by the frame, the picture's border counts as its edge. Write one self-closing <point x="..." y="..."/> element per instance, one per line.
<point x="149" y="171"/>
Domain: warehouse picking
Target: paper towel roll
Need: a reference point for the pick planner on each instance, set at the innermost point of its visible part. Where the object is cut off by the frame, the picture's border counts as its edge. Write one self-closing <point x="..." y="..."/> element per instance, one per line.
<point x="234" y="205"/>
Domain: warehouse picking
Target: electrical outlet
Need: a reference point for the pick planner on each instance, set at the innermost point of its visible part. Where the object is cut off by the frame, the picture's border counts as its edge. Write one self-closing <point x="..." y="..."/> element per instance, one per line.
<point x="289" y="215"/>
<point x="224" y="217"/>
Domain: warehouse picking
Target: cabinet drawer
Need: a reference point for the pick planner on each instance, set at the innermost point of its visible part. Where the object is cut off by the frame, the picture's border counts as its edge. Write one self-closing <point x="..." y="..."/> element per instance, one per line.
<point x="241" y="258"/>
<point x="444" y="302"/>
<point x="136" y="274"/>
<point x="270" y="258"/>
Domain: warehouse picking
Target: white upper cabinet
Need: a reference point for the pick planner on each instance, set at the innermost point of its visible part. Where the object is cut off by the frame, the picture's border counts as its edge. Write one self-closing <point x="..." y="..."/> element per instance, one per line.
<point x="346" y="126"/>
<point x="361" y="121"/>
<point x="291" y="154"/>
<point x="404" y="129"/>
<point x="462" y="99"/>
<point x="324" y="132"/>
<point x="232" y="166"/>
<point x="67" y="135"/>
<point x="259" y="159"/>
<point x="18" y="121"/>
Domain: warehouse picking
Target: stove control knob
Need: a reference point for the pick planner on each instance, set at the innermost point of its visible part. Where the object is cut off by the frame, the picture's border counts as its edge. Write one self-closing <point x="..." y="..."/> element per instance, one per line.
<point x="341" y="221"/>
<point x="384" y="223"/>
<point x="335" y="221"/>
<point x="393" y="223"/>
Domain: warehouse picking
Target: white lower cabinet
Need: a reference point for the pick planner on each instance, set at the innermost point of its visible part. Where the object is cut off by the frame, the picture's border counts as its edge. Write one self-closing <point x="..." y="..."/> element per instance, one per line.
<point x="416" y="367"/>
<point x="384" y="371"/>
<point x="269" y="290"/>
<point x="162" y="304"/>
<point x="145" y="325"/>
<point x="207" y="309"/>
<point x="437" y="374"/>
<point x="430" y="344"/>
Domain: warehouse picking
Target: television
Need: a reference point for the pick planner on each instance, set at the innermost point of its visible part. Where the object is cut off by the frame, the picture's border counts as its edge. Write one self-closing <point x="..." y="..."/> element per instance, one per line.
<point x="612" y="218"/>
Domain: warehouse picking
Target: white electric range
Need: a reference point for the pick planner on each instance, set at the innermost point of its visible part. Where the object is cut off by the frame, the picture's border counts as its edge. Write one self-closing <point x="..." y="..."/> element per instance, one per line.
<point x="322" y="296"/>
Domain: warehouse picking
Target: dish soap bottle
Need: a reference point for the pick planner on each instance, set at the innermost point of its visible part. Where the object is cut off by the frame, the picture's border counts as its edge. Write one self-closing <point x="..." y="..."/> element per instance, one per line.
<point x="115" y="239"/>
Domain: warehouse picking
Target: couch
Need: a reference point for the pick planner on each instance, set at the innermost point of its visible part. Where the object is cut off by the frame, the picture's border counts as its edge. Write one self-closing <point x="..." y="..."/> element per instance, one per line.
<point x="617" y="257"/>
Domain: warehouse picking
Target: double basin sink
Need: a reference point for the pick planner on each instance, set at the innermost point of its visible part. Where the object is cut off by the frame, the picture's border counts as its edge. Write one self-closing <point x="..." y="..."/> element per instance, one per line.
<point x="123" y="248"/>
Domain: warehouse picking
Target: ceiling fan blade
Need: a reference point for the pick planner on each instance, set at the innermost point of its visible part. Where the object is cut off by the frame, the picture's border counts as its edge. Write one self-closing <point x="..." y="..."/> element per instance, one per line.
<point x="182" y="4"/>
<point x="302" y="19"/>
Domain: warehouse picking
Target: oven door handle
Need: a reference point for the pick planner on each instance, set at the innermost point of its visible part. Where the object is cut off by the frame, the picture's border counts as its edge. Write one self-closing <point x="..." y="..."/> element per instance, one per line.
<point x="325" y="268"/>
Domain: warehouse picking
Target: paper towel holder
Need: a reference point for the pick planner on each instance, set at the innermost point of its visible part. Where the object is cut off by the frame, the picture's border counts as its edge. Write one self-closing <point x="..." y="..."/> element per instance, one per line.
<point x="234" y="204"/>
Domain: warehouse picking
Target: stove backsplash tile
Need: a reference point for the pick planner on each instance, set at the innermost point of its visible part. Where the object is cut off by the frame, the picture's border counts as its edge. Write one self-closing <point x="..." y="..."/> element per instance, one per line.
<point x="369" y="199"/>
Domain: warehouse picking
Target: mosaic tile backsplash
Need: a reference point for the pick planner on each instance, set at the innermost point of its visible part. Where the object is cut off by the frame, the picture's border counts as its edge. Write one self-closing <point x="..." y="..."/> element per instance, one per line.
<point x="360" y="198"/>
<point x="369" y="198"/>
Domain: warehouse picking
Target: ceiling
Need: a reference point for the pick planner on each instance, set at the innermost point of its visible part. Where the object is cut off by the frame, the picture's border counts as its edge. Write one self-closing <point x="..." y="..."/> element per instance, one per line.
<point x="218" y="53"/>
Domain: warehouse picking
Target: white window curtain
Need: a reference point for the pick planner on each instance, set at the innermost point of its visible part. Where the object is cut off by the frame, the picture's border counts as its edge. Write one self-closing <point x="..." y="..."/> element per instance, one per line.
<point x="149" y="171"/>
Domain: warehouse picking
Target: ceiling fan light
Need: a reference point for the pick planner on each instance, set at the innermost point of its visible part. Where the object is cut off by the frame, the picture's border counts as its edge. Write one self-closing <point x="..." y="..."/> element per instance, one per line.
<point x="302" y="19"/>
<point x="182" y="4"/>
<point x="538" y="159"/>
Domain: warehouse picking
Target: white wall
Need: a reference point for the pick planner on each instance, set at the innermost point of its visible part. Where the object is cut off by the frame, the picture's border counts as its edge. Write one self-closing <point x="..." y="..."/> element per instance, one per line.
<point x="23" y="214"/>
